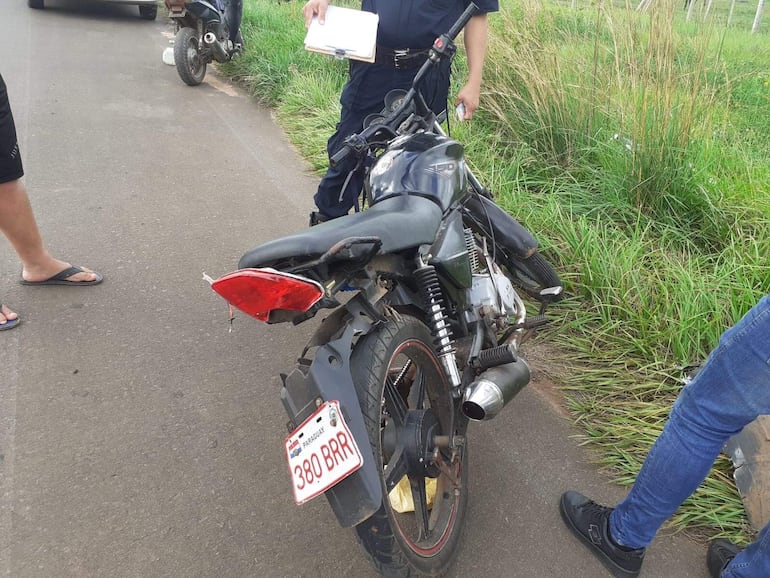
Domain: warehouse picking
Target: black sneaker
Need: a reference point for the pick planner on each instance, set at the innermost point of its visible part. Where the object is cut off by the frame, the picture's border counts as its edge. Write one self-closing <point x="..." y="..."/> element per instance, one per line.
<point x="316" y="218"/>
<point x="720" y="553"/>
<point x="589" y="521"/>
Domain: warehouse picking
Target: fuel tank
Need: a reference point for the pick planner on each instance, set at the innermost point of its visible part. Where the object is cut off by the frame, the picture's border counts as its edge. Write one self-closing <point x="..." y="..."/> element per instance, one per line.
<point x="422" y="164"/>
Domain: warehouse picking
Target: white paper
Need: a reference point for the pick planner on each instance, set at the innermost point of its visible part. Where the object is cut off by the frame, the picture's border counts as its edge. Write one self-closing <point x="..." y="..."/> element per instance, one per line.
<point x="346" y="33"/>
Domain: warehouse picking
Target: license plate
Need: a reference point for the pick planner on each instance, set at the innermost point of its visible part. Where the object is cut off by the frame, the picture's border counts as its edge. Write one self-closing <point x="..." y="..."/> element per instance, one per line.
<point x="321" y="452"/>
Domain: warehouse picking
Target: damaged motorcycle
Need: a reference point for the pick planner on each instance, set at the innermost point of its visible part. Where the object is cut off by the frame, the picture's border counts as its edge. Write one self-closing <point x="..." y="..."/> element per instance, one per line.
<point x="423" y="336"/>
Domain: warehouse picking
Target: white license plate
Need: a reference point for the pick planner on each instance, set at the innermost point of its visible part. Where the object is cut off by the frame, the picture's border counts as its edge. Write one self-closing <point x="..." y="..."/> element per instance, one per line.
<point x="321" y="452"/>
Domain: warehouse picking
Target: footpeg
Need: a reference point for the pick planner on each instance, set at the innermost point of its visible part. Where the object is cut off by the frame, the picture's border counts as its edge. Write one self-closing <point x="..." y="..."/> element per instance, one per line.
<point x="535" y="321"/>
<point x="494" y="357"/>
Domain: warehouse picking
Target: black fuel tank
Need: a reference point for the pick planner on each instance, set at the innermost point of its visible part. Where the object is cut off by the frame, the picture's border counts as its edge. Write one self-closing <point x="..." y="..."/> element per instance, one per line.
<point x="425" y="164"/>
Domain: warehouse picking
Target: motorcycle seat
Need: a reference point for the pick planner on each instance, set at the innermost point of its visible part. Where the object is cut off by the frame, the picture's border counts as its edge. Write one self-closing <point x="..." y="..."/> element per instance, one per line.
<point x="400" y="222"/>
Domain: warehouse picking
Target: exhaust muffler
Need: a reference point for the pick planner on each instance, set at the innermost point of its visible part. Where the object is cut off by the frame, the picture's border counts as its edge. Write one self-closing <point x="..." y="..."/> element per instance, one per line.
<point x="220" y="54"/>
<point x="494" y="388"/>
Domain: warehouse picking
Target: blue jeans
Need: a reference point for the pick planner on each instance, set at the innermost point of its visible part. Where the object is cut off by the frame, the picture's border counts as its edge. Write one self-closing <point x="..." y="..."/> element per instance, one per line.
<point x="728" y="393"/>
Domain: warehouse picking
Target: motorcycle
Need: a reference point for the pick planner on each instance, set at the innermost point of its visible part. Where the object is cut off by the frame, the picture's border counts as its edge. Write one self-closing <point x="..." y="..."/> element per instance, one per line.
<point x="206" y="31"/>
<point x="423" y="337"/>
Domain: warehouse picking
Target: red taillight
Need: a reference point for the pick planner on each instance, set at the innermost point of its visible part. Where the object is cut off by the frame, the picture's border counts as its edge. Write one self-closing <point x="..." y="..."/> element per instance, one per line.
<point x="257" y="292"/>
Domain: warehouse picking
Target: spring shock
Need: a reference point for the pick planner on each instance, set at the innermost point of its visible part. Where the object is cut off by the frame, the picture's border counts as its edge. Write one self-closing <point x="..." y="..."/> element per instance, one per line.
<point x="427" y="278"/>
<point x="470" y="244"/>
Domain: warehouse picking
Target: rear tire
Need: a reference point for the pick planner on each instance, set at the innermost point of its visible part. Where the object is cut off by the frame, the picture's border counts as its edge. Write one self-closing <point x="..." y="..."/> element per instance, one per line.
<point x="424" y="541"/>
<point x="532" y="274"/>
<point x="148" y="12"/>
<point x="189" y="64"/>
<point x="36" y="4"/>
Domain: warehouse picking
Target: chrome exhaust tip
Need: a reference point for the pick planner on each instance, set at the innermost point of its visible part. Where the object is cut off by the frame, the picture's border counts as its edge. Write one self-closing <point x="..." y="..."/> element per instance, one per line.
<point x="493" y="389"/>
<point x="220" y="54"/>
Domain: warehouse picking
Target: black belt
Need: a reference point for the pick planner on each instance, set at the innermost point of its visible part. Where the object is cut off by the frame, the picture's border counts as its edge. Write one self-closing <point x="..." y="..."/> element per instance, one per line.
<point x="401" y="58"/>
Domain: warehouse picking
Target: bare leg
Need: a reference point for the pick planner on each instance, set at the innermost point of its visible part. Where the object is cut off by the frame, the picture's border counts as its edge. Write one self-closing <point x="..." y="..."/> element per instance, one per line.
<point x="17" y="222"/>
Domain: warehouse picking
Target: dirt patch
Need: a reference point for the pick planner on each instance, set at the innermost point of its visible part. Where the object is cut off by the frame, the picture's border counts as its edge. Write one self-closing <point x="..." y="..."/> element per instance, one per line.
<point x="547" y="371"/>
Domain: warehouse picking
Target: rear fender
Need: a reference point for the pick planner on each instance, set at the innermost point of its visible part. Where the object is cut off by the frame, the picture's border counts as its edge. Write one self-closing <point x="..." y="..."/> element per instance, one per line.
<point x="358" y="496"/>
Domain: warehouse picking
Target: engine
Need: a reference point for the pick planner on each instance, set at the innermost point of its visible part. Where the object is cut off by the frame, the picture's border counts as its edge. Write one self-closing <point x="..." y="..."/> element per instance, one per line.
<point x="506" y="373"/>
<point x="491" y="290"/>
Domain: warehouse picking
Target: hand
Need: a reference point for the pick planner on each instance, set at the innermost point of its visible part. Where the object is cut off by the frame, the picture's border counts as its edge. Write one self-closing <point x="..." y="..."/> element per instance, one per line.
<point x="469" y="95"/>
<point x="313" y="8"/>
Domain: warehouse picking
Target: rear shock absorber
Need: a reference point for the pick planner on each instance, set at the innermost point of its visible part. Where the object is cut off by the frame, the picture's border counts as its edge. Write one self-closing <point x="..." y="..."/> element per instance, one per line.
<point x="427" y="278"/>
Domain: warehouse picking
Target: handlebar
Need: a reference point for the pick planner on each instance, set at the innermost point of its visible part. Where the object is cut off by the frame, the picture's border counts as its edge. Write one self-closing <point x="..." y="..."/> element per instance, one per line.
<point x="339" y="156"/>
<point x="355" y="144"/>
<point x="465" y="17"/>
<point x="443" y="47"/>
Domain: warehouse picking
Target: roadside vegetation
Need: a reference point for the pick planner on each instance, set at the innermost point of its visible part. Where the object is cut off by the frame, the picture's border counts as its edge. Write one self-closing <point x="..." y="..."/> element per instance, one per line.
<point x="636" y="147"/>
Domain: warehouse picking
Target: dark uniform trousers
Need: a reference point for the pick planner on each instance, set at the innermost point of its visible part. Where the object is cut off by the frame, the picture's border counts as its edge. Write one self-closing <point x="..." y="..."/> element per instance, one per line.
<point x="363" y="95"/>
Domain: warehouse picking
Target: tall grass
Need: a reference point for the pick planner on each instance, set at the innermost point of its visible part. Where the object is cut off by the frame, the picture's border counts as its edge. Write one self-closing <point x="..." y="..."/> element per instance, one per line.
<point x="627" y="101"/>
<point x="636" y="146"/>
<point x="657" y="199"/>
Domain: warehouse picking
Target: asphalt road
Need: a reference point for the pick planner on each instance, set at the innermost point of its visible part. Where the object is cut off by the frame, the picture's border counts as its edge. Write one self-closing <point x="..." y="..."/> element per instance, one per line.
<point x="138" y="437"/>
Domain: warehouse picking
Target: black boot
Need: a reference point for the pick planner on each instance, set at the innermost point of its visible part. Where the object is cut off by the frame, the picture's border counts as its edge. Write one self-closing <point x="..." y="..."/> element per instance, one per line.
<point x="590" y="521"/>
<point x="720" y="553"/>
<point x="317" y="217"/>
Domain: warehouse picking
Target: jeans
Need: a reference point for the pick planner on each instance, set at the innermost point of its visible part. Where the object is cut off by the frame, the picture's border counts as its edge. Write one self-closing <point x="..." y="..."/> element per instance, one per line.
<point x="728" y="393"/>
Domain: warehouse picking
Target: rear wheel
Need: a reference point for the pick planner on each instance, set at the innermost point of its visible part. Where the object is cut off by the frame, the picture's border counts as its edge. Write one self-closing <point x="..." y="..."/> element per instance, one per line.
<point x="37" y="4"/>
<point x="187" y="57"/>
<point x="408" y="408"/>
<point x="532" y="274"/>
<point x="148" y="12"/>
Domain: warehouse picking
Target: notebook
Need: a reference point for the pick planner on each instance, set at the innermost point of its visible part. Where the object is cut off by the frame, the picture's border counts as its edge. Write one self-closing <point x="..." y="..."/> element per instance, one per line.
<point x="346" y="33"/>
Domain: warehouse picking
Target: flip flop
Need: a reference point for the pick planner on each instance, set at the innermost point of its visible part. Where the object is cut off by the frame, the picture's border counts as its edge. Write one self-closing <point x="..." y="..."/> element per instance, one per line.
<point x="61" y="278"/>
<point x="10" y="323"/>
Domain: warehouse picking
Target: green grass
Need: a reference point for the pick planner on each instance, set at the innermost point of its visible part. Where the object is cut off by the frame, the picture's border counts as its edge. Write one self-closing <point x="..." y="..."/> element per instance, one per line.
<point x="636" y="146"/>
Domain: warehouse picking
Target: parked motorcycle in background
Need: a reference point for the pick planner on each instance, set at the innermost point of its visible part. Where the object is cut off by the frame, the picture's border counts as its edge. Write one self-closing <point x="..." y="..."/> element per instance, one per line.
<point x="423" y="336"/>
<point x="206" y="31"/>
